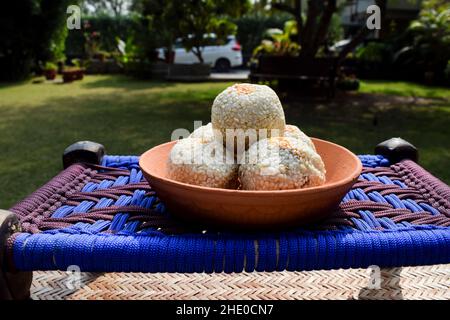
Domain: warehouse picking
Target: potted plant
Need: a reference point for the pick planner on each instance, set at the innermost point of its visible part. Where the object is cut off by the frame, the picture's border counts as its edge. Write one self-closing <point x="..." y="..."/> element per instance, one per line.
<point x="68" y="75"/>
<point x="79" y="74"/>
<point x="50" y="71"/>
<point x="72" y="73"/>
<point x="277" y="53"/>
<point x="79" y="69"/>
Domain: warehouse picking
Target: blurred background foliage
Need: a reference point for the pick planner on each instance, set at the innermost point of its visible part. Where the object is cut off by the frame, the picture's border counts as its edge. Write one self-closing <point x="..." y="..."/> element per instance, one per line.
<point x="33" y="32"/>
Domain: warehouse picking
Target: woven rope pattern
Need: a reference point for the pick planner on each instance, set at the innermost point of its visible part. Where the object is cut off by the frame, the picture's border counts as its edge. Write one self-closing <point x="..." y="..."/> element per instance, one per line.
<point x="425" y="282"/>
<point x="108" y="218"/>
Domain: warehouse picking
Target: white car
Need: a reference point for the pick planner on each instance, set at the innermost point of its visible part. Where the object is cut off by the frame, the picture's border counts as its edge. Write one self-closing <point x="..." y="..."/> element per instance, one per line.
<point x="222" y="57"/>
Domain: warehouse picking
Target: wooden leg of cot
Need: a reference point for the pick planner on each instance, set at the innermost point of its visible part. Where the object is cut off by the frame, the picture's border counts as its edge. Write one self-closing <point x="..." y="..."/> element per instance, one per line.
<point x="14" y="285"/>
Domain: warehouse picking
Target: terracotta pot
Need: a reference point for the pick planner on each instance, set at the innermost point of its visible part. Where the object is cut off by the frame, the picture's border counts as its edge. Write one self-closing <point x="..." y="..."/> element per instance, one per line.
<point x="50" y="74"/>
<point x="69" y="76"/>
<point x="254" y="209"/>
<point x="72" y="75"/>
<point x="79" y="74"/>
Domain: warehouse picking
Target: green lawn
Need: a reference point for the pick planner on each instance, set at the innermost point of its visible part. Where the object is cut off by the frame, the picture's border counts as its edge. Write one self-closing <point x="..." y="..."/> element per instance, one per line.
<point x="405" y="89"/>
<point x="37" y="121"/>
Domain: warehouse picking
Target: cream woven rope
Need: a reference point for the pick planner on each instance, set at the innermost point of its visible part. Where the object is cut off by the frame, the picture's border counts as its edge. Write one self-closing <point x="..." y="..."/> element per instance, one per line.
<point x="424" y="282"/>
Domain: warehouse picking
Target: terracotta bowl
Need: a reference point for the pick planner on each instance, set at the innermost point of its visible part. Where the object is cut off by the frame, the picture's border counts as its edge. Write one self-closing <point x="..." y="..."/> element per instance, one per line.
<point x="254" y="209"/>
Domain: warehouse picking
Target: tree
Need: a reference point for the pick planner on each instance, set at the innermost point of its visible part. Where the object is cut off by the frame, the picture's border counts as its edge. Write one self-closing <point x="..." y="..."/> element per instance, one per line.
<point x="429" y="47"/>
<point x="191" y="20"/>
<point x="116" y="7"/>
<point x="202" y="17"/>
<point x="31" y="31"/>
<point x="160" y="18"/>
<point x="431" y="33"/>
<point x="313" y="23"/>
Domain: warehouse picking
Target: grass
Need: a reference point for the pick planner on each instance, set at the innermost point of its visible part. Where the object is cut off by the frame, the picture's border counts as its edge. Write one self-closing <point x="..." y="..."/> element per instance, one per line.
<point x="405" y="89"/>
<point x="37" y="121"/>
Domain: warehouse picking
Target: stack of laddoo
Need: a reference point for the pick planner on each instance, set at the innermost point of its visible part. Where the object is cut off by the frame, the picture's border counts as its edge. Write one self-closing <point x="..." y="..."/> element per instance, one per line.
<point x="247" y="146"/>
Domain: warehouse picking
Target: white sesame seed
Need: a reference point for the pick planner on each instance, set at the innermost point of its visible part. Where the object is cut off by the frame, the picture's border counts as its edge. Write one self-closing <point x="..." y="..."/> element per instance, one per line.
<point x="293" y="165"/>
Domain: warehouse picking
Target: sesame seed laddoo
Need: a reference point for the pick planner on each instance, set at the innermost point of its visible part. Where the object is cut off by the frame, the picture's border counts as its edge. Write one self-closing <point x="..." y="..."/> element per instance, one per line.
<point x="206" y="133"/>
<point x="245" y="107"/>
<point x="291" y="131"/>
<point x="281" y="163"/>
<point x="194" y="161"/>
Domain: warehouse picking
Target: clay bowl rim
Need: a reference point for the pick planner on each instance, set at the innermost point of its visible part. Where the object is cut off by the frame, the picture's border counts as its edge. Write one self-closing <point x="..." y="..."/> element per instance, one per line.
<point x="323" y="188"/>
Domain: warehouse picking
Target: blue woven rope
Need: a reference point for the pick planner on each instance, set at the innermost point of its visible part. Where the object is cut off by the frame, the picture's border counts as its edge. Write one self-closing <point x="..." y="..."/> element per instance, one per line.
<point x="373" y="240"/>
<point x="121" y="162"/>
<point x="154" y="253"/>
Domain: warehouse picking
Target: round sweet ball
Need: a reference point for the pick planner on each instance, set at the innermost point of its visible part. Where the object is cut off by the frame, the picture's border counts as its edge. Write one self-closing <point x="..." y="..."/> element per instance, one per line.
<point x="291" y="131"/>
<point x="248" y="106"/>
<point x="281" y="163"/>
<point x="206" y="133"/>
<point x="194" y="161"/>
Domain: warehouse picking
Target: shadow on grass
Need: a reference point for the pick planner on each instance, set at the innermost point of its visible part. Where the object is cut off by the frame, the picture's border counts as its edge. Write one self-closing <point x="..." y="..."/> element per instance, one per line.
<point x="10" y="84"/>
<point x="32" y="142"/>
<point x="126" y="83"/>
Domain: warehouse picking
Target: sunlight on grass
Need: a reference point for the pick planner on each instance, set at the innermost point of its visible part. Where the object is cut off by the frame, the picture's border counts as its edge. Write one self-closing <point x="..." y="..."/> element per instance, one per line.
<point x="405" y="89"/>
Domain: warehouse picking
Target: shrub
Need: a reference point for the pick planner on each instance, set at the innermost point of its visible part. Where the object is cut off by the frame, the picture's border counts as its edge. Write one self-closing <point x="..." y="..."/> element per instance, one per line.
<point x="50" y="66"/>
<point x="372" y="52"/>
<point x="250" y="32"/>
<point x="30" y="31"/>
<point x="108" y="28"/>
<point x="348" y="84"/>
<point x="251" y="29"/>
<point x="427" y="48"/>
<point x="279" y="43"/>
<point x="447" y="72"/>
